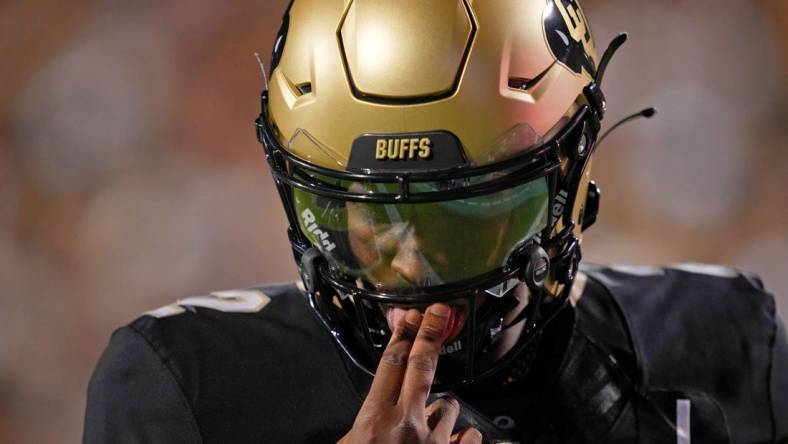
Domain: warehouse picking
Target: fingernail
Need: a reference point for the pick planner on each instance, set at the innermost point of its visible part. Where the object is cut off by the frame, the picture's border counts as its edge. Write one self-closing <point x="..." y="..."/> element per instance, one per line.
<point x="441" y="310"/>
<point x="475" y="434"/>
<point x="413" y="317"/>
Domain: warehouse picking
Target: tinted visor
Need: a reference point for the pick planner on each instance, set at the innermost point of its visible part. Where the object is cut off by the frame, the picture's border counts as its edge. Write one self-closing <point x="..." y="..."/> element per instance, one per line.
<point x="396" y="246"/>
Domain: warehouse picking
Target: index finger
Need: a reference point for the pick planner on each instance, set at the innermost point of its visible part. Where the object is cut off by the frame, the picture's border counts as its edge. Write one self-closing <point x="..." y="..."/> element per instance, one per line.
<point x="423" y="358"/>
<point x="391" y="369"/>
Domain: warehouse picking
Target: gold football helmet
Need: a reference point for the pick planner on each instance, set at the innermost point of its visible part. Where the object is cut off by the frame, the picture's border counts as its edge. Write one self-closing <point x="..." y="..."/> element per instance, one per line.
<point x="432" y="151"/>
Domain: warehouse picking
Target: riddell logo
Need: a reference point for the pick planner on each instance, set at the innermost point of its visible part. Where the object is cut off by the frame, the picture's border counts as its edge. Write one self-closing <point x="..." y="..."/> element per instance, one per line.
<point x="451" y="348"/>
<point x="403" y="149"/>
<point x="311" y="226"/>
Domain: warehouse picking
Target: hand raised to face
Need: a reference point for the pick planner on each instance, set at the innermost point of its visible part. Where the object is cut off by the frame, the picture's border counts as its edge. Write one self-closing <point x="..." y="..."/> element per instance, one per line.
<point x="396" y="410"/>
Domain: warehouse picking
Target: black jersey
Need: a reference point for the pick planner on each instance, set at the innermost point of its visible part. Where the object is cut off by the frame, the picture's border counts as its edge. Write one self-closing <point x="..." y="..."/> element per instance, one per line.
<point x="683" y="354"/>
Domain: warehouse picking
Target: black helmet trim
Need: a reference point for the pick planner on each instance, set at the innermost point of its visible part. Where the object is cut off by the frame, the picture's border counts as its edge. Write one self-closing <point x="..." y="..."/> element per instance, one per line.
<point x="533" y="163"/>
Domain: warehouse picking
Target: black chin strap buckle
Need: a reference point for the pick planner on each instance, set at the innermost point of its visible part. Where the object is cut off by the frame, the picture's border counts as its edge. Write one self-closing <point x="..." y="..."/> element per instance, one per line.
<point x="593" y="92"/>
<point x="533" y="273"/>
<point x="596" y="99"/>
<point x="535" y="269"/>
<point x="308" y="269"/>
<point x="592" y="205"/>
<point x="566" y="268"/>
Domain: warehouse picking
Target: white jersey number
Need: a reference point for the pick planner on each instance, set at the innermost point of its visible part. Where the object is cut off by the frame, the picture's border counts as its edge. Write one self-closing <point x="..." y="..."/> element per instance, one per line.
<point x="231" y="301"/>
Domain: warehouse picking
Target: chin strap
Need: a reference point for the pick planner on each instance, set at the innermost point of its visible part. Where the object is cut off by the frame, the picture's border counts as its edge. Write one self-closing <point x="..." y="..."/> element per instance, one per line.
<point x="308" y="269"/>
<point x="533" y="273"/>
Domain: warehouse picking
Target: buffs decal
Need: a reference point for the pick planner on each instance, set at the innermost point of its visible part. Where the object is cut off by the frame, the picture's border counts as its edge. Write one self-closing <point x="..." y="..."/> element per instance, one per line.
<point x="432" y="150"/>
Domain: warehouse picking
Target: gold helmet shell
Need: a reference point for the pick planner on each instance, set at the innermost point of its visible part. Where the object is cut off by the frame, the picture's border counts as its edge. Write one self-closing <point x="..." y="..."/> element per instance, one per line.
<point x="474" y="69"/>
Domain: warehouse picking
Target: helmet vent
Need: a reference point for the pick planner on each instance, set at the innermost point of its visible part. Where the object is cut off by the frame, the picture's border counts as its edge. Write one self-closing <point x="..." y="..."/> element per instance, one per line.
<point x="524" y="84"/>
<point x="304" y="88"/>
<point x="520" y="83"/>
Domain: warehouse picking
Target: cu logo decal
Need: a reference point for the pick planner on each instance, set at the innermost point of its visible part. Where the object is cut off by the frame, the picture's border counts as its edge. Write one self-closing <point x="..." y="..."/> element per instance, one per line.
<point x="569" y="36"/>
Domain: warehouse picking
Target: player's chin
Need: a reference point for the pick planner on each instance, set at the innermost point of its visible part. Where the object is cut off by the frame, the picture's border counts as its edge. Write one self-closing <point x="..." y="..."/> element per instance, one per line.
<point x="457" y="317"/>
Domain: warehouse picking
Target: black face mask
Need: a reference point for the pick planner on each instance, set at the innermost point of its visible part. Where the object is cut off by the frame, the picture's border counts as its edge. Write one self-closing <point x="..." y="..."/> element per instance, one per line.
<point x="470" y="234"/>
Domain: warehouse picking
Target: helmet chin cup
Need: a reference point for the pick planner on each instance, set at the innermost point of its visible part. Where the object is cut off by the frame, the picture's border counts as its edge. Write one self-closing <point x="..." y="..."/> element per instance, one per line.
<point x="534" y="270"/>
<point x="596" y="99"/>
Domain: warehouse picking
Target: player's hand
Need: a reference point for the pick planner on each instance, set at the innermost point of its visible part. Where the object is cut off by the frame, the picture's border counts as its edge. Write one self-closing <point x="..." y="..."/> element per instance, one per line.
<point x="395" y="410"/>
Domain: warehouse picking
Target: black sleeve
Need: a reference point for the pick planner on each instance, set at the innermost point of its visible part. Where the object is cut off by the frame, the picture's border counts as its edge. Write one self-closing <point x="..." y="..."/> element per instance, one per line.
<point x="779" y="381"/>
<point x="134" y="398"/>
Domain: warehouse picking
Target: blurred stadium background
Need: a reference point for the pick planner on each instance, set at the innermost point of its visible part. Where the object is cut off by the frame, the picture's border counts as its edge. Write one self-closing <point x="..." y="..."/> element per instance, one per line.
<point x="130" y="175"/>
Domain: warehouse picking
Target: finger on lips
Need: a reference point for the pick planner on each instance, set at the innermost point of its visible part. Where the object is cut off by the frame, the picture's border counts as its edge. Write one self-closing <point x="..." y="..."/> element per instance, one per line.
<point x="410" y="324"/>
<point x="393" y="363"/>
<point x="433" y="327"/>
<point x="423" y="357"/>
<point x="404" y="378"/>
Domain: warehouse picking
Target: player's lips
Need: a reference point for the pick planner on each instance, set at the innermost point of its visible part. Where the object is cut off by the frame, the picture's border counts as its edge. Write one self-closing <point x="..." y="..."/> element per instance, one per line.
<point x="453" y="328"/>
